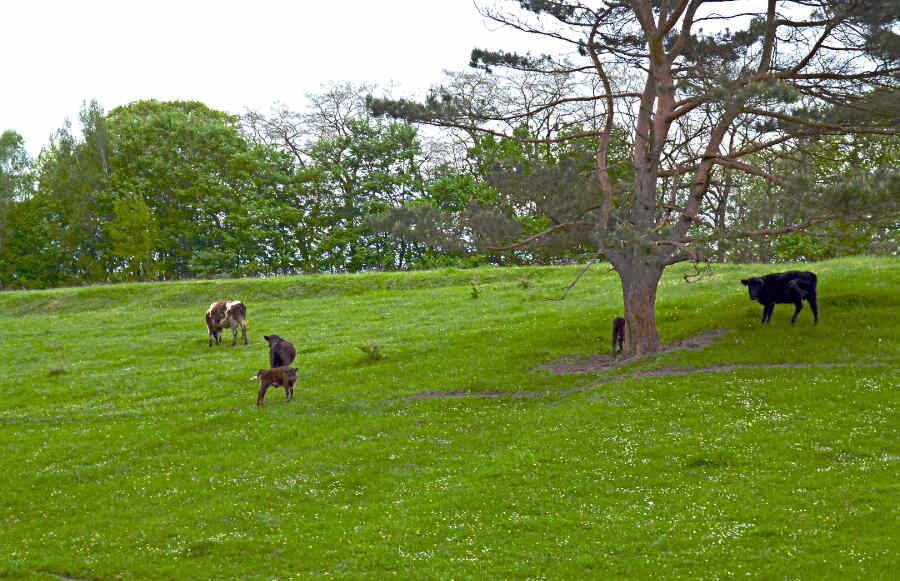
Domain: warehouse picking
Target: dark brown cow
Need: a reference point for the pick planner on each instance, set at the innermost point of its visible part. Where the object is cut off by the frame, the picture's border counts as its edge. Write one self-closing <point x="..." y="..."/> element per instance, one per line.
<point x="618" y="334"/>
<point x="281" y="351"/>
<point x="226" y="315"/>
<point x="284" y="376"/>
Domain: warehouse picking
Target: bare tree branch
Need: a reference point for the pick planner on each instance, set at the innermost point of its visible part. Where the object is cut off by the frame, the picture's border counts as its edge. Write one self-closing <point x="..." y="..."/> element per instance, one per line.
<point x="577" y="278"/>
<point x="538" y="236"/>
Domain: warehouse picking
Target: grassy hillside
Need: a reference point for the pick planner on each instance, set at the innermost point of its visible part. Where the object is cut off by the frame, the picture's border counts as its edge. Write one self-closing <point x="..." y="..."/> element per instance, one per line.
<point x="131" y="450"/>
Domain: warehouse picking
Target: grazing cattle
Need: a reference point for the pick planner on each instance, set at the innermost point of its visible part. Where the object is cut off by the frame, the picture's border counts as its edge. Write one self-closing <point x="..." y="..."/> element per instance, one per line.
<point x="284" y="376"/>
<point x="281" y="352"/>
<point x="784" y="287"/>
<point x="618" y="333"/>
<point x="226" y="315"/>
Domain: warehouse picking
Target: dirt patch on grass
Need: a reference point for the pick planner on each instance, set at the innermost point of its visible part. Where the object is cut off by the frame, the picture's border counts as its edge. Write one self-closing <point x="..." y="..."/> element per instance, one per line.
<point x="67" y="578"/>
<point x="605" y="361"/>
<point x="459" y="393"/>
<point x="597" y="362"/>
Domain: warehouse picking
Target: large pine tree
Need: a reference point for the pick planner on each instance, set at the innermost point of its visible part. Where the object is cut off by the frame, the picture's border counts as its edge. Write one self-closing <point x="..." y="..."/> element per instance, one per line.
<point x="785" y="71"/>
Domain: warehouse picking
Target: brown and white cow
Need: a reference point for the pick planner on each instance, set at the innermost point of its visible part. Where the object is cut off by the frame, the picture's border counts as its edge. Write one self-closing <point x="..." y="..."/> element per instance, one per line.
<point x="226" y="315"/>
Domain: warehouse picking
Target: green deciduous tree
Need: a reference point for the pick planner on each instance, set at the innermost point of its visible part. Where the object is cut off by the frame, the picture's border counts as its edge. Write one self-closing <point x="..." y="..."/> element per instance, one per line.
<point x="221" y="203"/>
<point x="370" y="167"/>
<point x="177" y="157"/>
<point x="30" y="257"/>
<point x="350" y="169"/>
<point x="72" y="187"/>
<point x="133" y="234"/>
<point x="15" y="167"/>
<point x="156" y="190"/>
<point x="16" y="178"/>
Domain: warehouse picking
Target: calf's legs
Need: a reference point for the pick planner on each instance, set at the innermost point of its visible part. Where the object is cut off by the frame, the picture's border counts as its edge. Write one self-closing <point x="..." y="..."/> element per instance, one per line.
<point x="263" y="386"/>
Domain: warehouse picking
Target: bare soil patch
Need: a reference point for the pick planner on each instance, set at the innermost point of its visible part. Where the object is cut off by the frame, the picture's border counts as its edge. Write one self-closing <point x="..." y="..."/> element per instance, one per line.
<point x="572" y="365"/>
<point x="605" y="361"/>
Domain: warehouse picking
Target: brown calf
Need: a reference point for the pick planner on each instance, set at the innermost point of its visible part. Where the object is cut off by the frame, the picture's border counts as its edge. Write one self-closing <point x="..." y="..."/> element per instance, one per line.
<point x="618" y="333"/>
<point x="226" y="315"/>
<point x="284" y="376"/>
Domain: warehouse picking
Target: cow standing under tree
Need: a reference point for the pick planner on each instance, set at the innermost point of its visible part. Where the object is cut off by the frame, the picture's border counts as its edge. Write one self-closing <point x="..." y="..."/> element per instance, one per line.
<point x="618" y="334"/>
<point x="784" y="287"/>
<point x="226" y="315"/>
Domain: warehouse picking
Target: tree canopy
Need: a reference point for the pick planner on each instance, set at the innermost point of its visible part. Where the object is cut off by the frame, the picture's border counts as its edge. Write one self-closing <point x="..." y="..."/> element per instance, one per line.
<point x="158" y="190"/>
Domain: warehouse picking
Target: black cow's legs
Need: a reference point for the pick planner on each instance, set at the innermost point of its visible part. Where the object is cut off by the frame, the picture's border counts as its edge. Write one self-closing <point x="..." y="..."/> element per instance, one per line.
<point x="798" y="305"/>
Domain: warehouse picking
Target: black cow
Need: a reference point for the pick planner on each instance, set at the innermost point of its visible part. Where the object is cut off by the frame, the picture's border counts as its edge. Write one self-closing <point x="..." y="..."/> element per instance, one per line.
<point x="281" y="352"/>
<point x="784" y="287"/>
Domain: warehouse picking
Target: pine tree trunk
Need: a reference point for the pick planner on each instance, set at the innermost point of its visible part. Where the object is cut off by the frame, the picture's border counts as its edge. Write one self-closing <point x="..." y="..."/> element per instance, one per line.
<point x="640" y="280"/>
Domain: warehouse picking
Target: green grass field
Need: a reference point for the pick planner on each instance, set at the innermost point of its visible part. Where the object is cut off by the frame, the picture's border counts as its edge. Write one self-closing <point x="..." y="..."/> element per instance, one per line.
<point x="131" y="450"/>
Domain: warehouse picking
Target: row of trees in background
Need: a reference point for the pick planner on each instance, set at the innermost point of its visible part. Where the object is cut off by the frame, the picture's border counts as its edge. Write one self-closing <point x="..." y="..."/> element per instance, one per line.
<point x="533" y="160"/>
<point x="169" y="190"/>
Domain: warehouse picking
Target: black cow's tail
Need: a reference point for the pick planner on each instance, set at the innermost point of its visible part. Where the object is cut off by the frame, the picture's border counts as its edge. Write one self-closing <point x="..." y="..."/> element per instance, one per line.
<point x="813" y="281"/>
<point x="812" y="297"/>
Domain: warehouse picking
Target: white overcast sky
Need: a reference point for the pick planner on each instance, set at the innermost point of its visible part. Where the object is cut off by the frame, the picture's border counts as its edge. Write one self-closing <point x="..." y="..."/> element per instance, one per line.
<point x="231" y="55"/>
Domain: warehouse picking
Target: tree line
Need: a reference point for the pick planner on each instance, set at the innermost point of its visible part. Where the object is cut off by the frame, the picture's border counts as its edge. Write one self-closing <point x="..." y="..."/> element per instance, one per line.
<point x="165" y="190"/>
<point x="156" y="190"/>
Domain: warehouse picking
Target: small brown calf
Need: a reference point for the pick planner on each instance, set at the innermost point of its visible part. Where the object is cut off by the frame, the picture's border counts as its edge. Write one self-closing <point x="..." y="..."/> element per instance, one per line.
<point x="284" y="376"/>
<point x="618" y="333"/>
